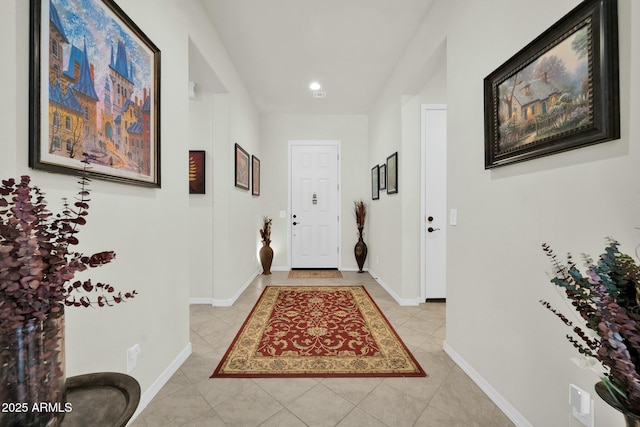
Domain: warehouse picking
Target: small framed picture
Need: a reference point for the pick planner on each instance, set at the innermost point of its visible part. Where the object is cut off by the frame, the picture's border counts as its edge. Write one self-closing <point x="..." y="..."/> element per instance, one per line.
<point x="375" y="186"/>
<point x="383" y="177"/>
<point x="392" y="173"/>
<point x="255" y="176"/>
<point x="241" y="168"/>
<point x="196" y="171"/>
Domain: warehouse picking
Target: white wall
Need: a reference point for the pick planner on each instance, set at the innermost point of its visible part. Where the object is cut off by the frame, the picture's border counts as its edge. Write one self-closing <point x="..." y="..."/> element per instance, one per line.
<point x="496" y="269"/>
<point x="394" y="125"/>
<point x="200" y="221"/>
<point x="149" y="228"/>
<point x="277" y="131"/>
<point x="145" y="227"/>
<point x="222" y="241"/>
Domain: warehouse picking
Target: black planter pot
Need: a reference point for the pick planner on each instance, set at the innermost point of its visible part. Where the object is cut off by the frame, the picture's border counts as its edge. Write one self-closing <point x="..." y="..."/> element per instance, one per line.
<point x="631" y="419"/>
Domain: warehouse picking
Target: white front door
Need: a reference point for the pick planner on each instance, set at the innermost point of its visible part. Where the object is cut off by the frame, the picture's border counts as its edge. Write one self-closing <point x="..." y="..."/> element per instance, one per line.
<point x="434" y="148"/>
<point x="314" y="214"/>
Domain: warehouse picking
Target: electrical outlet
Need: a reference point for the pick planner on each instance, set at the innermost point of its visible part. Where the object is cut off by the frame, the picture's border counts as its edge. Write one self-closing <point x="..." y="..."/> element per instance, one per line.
<point x="132" y="357"/>
<point x="581" y="405"/>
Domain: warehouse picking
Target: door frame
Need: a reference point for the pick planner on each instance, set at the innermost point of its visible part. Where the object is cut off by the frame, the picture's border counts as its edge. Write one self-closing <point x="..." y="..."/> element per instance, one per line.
<point x="423" y="204"/>
<point x="323" y="142"/>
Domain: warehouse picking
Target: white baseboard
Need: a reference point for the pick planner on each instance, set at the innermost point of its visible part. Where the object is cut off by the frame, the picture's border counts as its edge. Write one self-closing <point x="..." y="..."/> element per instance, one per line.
<point x="196" y="301"/>
<point x="502" y="403"/>
<point x="229" y="301"/>
<point x="400" y="301"/>
<point x="157" y="385"/>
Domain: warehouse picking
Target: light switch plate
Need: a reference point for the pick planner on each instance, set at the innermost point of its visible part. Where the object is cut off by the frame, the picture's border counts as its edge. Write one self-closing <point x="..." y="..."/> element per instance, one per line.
<point x="453" y="217"/>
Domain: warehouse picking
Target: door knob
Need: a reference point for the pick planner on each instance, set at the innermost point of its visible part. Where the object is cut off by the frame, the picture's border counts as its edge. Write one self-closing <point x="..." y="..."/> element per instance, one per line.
<point x="295" y="223"/>
<point x="431" y="229"/>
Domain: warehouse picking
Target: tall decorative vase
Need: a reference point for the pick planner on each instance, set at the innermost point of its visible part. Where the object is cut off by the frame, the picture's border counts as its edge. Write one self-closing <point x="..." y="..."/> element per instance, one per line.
<point x="360" y="251"/>
<point x="266" y="257"/>
<point x="631" y="419"/>
<point x="32" y="372"/>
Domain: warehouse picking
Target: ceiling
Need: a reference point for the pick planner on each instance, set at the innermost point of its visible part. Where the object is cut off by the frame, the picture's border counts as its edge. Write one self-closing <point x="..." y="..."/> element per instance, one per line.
<point x="349" y="46"/>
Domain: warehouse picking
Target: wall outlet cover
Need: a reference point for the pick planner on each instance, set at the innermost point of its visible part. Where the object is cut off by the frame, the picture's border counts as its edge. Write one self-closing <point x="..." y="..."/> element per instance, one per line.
<point x="581" y="405"/>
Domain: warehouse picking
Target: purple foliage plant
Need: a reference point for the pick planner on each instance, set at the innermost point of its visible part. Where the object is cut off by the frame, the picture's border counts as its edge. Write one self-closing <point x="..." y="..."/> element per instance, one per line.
<point x="36" y="256"/>
<point x="37" y="266"/>
<point x="606" y="298"/>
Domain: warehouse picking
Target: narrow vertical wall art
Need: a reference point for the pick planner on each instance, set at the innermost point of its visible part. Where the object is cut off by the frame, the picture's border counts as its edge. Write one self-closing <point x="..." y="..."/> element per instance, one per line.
<point x="197" y="172"/>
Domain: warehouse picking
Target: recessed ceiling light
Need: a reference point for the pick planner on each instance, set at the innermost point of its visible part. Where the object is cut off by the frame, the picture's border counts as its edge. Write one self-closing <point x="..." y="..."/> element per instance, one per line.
<point x="314" y="86"/>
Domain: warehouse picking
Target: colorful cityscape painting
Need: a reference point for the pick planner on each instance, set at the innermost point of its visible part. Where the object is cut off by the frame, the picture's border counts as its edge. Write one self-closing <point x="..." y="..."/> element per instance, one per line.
<point x="99" y="91"/>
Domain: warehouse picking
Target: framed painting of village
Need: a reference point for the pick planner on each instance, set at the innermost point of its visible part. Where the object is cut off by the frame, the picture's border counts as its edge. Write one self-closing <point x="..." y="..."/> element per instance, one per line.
<point x="94" y="92"/>
<point x="558" y="93"/>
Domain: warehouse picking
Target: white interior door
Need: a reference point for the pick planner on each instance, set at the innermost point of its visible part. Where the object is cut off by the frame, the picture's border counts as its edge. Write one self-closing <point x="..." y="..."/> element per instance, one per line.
<point x="434" y="147"/>
<point x="314" y="214"/>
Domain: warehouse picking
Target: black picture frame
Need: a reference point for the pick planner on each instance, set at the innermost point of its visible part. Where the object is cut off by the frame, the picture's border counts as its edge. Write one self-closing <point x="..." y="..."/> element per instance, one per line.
<point x="242" y="167"/>
<point x="375" y="186"/>
<point x="255" y="176"/>
<point x="392" y="173"/>
<point x="383" y="177"/>
<point x="560" y="92"/>
<point x="197" y="171"/>
<point x="94" y="92"/>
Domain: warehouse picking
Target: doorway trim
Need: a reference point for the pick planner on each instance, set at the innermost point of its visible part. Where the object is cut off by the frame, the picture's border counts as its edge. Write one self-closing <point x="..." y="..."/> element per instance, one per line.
<point x="423" y="204"/>
<point x="324" y="142"/>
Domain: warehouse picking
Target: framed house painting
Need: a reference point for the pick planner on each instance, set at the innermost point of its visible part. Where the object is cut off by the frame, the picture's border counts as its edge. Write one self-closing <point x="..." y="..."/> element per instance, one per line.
<point x="392" y="173"/>
<point x="242" y="168"/>
<point x="196" y="172"/>
<point x="383" y="177"/>
<point x="255" y="176"/>
<point x="95" y="92"/>
<point x="375" y="182"/>
<point x="558" y="93"/>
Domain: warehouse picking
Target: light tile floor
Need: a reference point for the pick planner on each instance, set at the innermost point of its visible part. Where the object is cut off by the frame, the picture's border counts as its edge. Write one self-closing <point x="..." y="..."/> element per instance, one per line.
<point x="445" y="398"/>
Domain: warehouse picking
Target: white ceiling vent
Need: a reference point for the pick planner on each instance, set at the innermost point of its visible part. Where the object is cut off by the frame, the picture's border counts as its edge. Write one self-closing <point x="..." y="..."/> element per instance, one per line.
<point x="319" y="94"/>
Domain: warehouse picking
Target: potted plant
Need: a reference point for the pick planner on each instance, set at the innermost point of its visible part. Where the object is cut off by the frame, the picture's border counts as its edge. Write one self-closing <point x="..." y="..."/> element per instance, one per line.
<point x="360" y="250"/>
<point x="37" y="264"/>
<point x="606" y="297"/>
<point x="266" y="253"/>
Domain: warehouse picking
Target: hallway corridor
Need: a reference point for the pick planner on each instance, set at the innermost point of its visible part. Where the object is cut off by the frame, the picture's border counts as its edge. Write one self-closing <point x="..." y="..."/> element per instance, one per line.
<point x="445" y="398"/>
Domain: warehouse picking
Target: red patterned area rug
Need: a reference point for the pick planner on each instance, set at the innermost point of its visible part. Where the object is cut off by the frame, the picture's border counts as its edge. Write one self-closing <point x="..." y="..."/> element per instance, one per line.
<point x="317" y="331"/>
